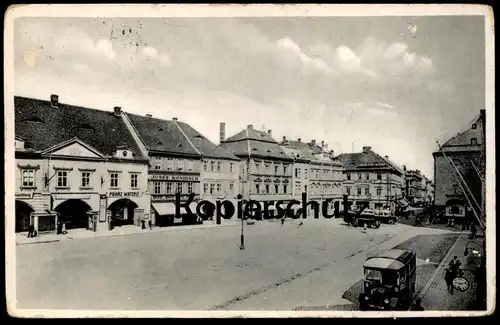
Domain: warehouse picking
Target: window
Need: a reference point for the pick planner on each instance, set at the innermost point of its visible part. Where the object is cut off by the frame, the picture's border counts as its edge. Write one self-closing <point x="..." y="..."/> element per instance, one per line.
<point x="474" y="126"/>
<point x="169" y="188"/>
<point x="305" y="188"/>
<point x="62" y="178"/>
<point x="348" y="176"/>
<point x="212" y="188"/>
<point x="157" y="187"/>
<point x="190" y="188"/>
<point x="28" y="178"/>
<point x="379" y="191"/>
<point x="212" y="166"/>
<point x="205" y="188"/>
<point x="157" y="163"/>
<point x="267" y="166"/>
<point x="134" y="180"/>
<point x="305" y="173"/>
<point x="114" y="179"/>
<point x="473" y="141"/>
<point x="180" y="164"/>
<point x="373" y="275"/>
<point x="379" y="176"/>
<point x="367" y="175"/>
<point x="190" y="165"/>
<point x="170" y="164"/>
<point x="219" y="165"/>
<point x="219" y="188"/>
<point x="285" y="169"/>
<point x="276" y="189"/>
<point x="267" y="189"/>
<point x="359" y="191"/>
<point x="231" y="188"/>
<point x="257" y="187"/>
<point x="297" y="172"/>
<point x="348" y="190"/>
<point x="359" y="176"/>
<point x="231" y="166"/>
<point x="205" y="165"/>
<point x="85" y="179"/>
<point x="276" y="168"/>
<point x="257" y="165"/>
<point x="284" y="189"/>
<point x="367" y="191"/>
<point x="179" y="188"/>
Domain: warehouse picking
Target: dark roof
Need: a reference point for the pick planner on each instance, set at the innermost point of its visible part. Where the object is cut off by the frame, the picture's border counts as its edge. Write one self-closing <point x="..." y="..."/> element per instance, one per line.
<point x="254" y="143"/>
<point x="467" y="132"/>
<point x="310" y="151"/>
<point x="366" y="159"/>
<point x="206" y="147"/>
<point x="42" y="126"/>
<point x="162" y="135"/>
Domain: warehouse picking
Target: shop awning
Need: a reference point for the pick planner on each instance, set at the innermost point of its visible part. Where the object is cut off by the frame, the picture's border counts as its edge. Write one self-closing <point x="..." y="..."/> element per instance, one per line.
<point x="168" y="208"/>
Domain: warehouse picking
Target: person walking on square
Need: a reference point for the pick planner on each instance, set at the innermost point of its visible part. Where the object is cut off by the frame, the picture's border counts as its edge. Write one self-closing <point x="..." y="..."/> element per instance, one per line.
<point x="448" y="277"/>
<point x="31" y="231"/>
<point x="150" y="224"/>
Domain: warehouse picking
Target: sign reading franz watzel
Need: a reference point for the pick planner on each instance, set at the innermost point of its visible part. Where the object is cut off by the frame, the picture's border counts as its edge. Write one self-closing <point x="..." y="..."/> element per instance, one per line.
<point x="123" y="194"/>
<point x="182" y="178"/>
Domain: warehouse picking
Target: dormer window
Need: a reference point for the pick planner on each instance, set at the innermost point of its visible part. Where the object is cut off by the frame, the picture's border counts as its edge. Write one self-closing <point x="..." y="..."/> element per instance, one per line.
<point x="474" y="126"/>
<point x="124" y="154"/>
<point x="34" y="119"/>
<point x="19" y="144"/>
<point x="160" y="130"/>
<point x="473" y="141"/>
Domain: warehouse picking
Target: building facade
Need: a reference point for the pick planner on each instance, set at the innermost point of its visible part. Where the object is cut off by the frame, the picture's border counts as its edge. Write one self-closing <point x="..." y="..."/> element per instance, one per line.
<point x="372" y="180"/>
<point x="316" y="173"/>
<point x="265" y="168"/>
<point x="466" y="153"/>
<point x="78" y="166"/>
<point x="415" y="186"/>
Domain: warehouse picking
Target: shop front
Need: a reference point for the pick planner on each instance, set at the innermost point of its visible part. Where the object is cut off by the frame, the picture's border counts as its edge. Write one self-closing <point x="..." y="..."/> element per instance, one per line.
<point x="165" y="214"/>
<point x="34" y="209"/>
<point x="75" y="209"/>
<point x="126" y="208"/>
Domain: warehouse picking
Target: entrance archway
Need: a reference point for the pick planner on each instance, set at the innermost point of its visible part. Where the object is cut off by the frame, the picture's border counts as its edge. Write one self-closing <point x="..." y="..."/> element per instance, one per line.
<point x="73" y="213"/>
<point x="122" y="212"/>
<point x="23" y="216"/>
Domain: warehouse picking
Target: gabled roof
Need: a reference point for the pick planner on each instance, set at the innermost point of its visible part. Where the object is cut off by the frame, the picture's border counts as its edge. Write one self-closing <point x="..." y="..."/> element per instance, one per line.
<point x="42" y="126"/>
<point x="295" y="154"/>
<point x="162" y="135"/>
<point x="254" y="143"/>
<point x="463" y="138"/>
<point x="206" y="147"/>
<point x="367" y="159"/>
<point x="311" y="151"/>
<point x="71" y="141"/>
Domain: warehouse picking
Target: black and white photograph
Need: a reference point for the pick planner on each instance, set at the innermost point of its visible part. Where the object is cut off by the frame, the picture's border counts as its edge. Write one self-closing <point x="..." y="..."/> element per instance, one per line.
<point x="249" y="160"/>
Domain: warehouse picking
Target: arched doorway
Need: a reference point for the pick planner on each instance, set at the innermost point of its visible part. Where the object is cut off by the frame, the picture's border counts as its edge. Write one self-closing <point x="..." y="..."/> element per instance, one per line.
<point x="73" y="213"/>
<point x="336" y="209"/>
<point x="23" y="216"/>
<point x="122" y="212"/>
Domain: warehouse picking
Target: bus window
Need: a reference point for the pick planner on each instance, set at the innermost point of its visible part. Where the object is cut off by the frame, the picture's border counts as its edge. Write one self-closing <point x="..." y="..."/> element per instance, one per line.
<point x="373" y="275"/>
<point x="390" y="277"/>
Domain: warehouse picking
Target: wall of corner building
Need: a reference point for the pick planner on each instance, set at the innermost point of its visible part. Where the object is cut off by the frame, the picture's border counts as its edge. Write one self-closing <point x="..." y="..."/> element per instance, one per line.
<point x="445" y="181"/>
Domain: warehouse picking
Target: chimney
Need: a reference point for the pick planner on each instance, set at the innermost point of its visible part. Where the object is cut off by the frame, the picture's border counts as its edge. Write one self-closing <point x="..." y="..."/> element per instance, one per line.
<point x="313" y="142"/>
<point x="284" y="139"/>
<point x="331" y="153"/>
<point x="366" y="148"/>
<point x="149" y="115"/>
<point x="299" y="140"/>
<point x="222" y="132"/>
<point x="249" y="127"/>
<point x="322" y="144"/>
<point x="54" y="100"/>
<point x="118" y="110"/>
<point x="326" y="146"/>
<point x="386" y="157"/>
<point x="174" y="119"/>
<point x="270" y="133"/>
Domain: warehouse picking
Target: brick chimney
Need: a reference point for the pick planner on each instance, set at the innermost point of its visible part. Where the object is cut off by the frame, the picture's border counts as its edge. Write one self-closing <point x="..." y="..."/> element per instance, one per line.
<point x="118" y="110"/>
<point x="284" y="140"/>
<point x="54" y="100"/>
<point x="386" y="157"/>
<point x="366" y="148"/>
<point x="322" y="144"/>
<point x="222" y="132"/>
<point x="149" y="115"/>
<point x="249" y="127"/>
<point x="175" y="119"/>
<point x="313" y="142"/>
<point x="270" y="133"/>
<point x="299" y="140"/>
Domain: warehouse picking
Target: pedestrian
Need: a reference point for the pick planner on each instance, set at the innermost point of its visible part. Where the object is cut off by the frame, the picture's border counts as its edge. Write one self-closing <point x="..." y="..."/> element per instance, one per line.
<point x="31" y="231"/>
<point x="143" y="224"/>
<point x="448" y="277"/>
<point x="473" y="230"/>
<point x="150" y="224"/>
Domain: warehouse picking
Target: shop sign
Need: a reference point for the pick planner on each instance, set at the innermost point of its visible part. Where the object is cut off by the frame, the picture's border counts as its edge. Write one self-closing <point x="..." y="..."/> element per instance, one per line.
<point x="175" y="178"/>
<point x="124" y="194"/>
<point x="24" y="195"/>
<point x="71" y="197"/>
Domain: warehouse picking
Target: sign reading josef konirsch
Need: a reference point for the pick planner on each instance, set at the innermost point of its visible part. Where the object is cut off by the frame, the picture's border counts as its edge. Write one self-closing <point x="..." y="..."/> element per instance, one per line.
<point x="175" y="178"/>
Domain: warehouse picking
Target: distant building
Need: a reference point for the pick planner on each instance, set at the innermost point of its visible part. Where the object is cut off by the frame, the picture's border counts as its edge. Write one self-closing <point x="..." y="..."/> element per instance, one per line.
<point x="415" y="186"/>
<point x="316" y="173"/>
<point x="372" y="180"/>
<point x="429" y="191"/>
<point x="265" y="169"/>
<point x="466" y="152"/>
<point x="76" y="165"/>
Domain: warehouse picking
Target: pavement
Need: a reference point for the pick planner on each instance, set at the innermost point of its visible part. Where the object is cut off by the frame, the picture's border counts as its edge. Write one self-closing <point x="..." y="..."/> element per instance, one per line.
<point x="284" y="267"/>
<point x="22" y="239"/>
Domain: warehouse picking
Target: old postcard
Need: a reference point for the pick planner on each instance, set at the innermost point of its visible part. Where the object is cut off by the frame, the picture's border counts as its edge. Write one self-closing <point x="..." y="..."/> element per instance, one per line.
<point x="249" y="161"/>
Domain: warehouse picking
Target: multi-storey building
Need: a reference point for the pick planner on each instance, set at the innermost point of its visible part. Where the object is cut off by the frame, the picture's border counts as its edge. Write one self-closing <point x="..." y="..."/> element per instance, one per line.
<point x="465" y="152"/>
<point x="266" y="170"/>
<point x="316" y="173"/>
<point x="182" y="161"/>
<point x="76" y="165"/>
<point x="372" y="180"/>
<point x="415" y="186"/>
<point x="429" y="191"/>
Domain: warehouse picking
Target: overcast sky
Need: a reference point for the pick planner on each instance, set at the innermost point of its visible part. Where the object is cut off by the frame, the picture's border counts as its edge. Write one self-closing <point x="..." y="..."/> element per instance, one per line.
<point x="395" y="84"/>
